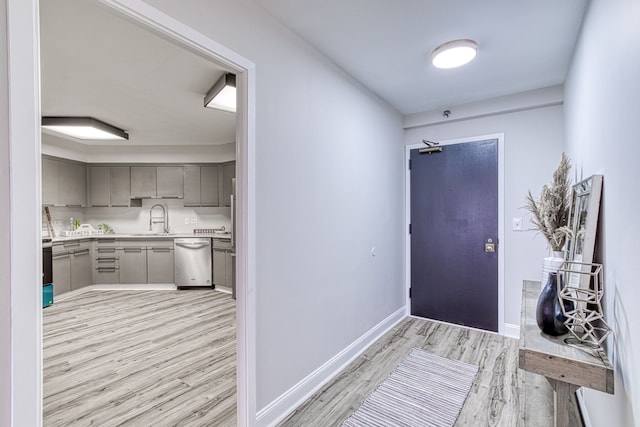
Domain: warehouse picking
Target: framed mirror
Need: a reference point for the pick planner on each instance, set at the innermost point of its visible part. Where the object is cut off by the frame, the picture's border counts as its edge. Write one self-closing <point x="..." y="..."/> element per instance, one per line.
<point x="583" y="221"/>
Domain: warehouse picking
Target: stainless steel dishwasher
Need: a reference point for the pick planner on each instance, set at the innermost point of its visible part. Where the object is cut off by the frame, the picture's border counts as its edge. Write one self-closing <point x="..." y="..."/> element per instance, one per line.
<point x="192" y="262"/>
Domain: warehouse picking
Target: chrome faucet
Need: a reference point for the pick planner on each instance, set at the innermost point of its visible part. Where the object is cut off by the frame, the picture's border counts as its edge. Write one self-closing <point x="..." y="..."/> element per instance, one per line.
<point x="159" y="220"/>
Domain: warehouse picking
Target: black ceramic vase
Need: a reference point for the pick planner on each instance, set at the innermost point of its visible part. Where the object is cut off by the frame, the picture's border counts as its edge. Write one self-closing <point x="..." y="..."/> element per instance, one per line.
<point x="549" y="311"/>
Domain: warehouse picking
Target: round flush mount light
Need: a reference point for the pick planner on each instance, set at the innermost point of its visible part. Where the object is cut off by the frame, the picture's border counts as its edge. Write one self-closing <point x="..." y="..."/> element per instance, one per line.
<point x="454" y="53"/>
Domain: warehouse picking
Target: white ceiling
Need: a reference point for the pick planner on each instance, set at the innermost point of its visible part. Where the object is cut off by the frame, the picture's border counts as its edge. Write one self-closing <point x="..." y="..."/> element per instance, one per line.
<point x="95" y="63"/>
<point x="386" y="44"/>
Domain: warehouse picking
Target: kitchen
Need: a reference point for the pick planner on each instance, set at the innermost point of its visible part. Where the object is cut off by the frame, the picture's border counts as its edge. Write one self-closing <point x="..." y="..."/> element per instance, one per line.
<point x="146" y="216"/>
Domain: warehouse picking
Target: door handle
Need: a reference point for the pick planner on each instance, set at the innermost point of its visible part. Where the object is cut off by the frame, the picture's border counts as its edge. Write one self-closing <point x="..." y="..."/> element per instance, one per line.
<point x="489" y="246"/>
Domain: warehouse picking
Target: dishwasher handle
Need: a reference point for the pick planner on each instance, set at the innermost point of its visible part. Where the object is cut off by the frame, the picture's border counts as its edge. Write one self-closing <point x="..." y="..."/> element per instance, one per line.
<point x="193" y="245"/>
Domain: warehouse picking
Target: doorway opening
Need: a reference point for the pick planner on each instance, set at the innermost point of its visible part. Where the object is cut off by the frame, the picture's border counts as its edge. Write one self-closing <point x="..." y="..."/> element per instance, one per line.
<point x="159" y="25"/>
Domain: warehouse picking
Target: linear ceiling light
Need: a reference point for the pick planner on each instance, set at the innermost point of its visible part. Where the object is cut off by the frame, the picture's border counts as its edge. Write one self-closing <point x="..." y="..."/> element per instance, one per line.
<point x="223" y="94"/>
<point x="83" y="128"/>
<point x="454" y="53"/>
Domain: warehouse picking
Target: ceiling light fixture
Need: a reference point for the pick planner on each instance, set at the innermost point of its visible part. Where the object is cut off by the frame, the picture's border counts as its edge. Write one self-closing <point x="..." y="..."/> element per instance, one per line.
<point x="83" y="128"/>
<point x="222" y="95"/>
<point x="454" y="53"/>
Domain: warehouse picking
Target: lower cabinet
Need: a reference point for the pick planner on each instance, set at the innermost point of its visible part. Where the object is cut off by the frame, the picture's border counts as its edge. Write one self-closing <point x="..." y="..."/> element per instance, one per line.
<point x="160" y="264"/>
<point x="61" y="270"/>
<point x="80" y="266"/>
<point x="71" y="266"/>
<point x="222" y="263"/>
<point x="106" y="269"/>
<point x="133" y="265"/>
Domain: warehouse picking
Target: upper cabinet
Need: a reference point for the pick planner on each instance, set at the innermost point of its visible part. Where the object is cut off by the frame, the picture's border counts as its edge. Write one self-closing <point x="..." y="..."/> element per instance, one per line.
<point x="64" y="183"/>
<point x="143" y="182"/>
<point x="170" y="182"/>
<point x="208" y="185"/>
<point x="157" y="181"/>
<point x="50" y="181"/>
<point x="99" y="186"/>
<point x="228" y="173"/>
<point x="68" y="183"/>
<point x="109" y="186"/>
<point x="120" y="185"/>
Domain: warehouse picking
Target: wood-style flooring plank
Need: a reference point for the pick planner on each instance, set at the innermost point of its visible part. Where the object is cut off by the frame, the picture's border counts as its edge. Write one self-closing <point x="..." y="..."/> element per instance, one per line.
<point x="133" y="358"/>
<point x="502" y="394"/>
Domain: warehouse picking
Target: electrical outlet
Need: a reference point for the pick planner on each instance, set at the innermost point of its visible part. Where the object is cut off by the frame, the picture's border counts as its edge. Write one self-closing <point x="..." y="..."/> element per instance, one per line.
<point x="517" y="224"/>
<point x="194" y="220"/>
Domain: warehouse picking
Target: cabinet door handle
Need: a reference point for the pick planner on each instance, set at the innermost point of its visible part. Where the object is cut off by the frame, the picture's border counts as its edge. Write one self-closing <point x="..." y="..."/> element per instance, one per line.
<point x="161" y="249"/>
<point x="106" y="269"/>
<point x="133" y="249"/>
<point x="58" y="256"/>
<point x="81" y="252"/>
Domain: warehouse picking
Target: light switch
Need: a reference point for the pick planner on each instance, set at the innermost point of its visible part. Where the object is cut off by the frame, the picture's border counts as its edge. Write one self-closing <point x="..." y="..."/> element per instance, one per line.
<point x="517" y="224"/>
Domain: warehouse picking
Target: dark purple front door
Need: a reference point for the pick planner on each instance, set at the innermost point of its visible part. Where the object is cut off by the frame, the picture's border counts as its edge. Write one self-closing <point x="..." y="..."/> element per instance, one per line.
<point x="454" y="213"/>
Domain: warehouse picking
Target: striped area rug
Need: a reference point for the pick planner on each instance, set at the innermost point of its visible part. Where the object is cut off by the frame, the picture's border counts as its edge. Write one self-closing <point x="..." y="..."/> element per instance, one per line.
<point x="423" y="390"/>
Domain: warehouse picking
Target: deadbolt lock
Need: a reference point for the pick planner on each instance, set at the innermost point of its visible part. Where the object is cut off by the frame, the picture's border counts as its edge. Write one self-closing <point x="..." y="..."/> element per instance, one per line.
<point x="489" y="247"/>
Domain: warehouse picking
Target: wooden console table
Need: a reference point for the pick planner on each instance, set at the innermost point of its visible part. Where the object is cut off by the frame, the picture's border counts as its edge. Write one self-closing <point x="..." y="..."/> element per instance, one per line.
<point x="567" y="368"/>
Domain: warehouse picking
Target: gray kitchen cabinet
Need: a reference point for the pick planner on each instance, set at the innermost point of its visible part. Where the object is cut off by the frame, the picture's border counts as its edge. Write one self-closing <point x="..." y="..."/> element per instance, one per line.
<point x="100" y="186"/>
<point x="71" y="265"/>
<point x="228" y="173"/>
<point x="61" y="270"/>
<point x="73" y="184"/>
<point x="106" y="262"/>
<point x="80" y="266"/>
<point x="133" y="265"/>
<point x="222" y="269"/>
<point x="191" y="186"/>
<point x="169" y="182"/>
<point x="209" y="185"/>
<point x="228" y="269"/>
<point x="160" y="264"/>
<point x="219" y="267"/>
<point x="120" y="189"/>
<point x="143" y="182"/>
<point x="50" y="184"/>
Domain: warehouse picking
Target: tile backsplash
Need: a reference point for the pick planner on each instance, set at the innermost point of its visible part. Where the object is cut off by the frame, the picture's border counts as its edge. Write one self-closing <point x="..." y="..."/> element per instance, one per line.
<point x="136" y="220"/>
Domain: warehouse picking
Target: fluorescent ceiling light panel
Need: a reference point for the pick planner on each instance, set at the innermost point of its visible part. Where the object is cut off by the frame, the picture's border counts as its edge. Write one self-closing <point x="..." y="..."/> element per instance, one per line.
<point x="222" y="95"/>
<point x="84" y="128"/>
<point x="454" y="53"/>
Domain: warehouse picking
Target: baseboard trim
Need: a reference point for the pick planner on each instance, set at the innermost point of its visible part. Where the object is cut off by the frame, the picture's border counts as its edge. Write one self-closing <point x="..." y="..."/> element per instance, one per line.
<point x="277" y="410"/>
<point x="582" y="407"/>
<point x="511" y="330"/>
<point x="116" y="287"/>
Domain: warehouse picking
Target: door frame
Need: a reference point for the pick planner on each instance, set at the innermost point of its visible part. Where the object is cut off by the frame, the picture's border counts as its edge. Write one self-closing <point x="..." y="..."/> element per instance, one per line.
<point x="501" y="223"/>
<point x="21" y="362"/>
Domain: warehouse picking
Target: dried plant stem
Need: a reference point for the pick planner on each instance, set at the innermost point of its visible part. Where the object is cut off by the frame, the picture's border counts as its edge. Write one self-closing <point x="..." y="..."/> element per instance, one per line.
<point x="550" y="211"/>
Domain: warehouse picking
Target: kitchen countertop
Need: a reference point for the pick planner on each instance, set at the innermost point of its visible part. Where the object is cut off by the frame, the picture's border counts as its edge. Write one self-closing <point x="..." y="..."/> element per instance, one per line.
<point x="142" y="236"/>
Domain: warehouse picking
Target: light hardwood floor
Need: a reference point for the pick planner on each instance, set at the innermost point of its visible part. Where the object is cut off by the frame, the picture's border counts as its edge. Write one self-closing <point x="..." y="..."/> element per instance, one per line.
<point x="502" y="394"/>
<point x="140" y="358"/>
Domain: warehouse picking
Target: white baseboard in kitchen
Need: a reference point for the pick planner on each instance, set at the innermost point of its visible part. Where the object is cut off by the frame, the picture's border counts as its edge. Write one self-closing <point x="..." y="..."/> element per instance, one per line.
<point x="117" y="287"/>
<point x="277" y="410"/>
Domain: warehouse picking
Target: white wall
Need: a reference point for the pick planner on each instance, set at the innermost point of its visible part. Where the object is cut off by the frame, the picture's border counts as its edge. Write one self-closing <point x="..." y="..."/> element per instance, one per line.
<point x="329" y="177"/>
<point x="533" y="142"/>
<point x="602" y="111"/>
